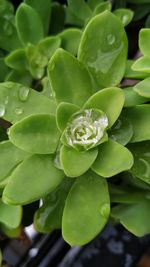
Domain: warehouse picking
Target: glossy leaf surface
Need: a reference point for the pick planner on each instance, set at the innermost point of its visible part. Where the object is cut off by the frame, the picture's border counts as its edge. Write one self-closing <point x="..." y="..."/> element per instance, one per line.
<point x="139" y="118"/>
<point x="63" y="113"/>
<point x="105" y="51"/>
<point x="132" y="98"/>
<point x="144" y="41"/>
<point x="143" y="88"/>
<point x="29" y="25"/>
<point x="86" y="209"/>
<point x="66" y="89"/>
<point x="76" y="163"/>
<point x="34" y="178"/>
<point x="125" y="15"/>
<point x="10" y="157"/>
<point x="107" y="164"/>
<point x="18" y="101"/>
<point x="36" y="134"/>
<point x="49" y="217"/>
<point x="135" y="218"/>
<point x="141" y="167"/>
<point x="110" y="101"/>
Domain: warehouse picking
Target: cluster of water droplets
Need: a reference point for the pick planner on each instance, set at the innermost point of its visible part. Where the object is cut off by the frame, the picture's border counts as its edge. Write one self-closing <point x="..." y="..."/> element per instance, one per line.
<point x="86" y="128"/>
<point x="23" y="93"/>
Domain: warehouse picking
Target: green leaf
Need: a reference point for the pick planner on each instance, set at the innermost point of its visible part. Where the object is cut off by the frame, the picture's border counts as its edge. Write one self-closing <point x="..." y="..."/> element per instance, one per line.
<point x="72" y="19"/>
<point x="63" y="113"/>
<point x="93" y="3"/>
<point x="132" y="74"/>
<point x="22" y="77"/>
<point x="107" y="164"/>
<point x="102" y="7"/>
<point x="29" y="25"/>
<point x="142" y="88"/>
<point x="110" y="101"/>
<point x="139" y="117"/>
<point x="44" y="11"/>
<point x="10" y="157"/>
<point x="10" y="215"/>
<point x="132" y="98"/>
<point x="80" y="8"/>
<point x="9" y="40"/>
<point x="49" y="217"/>
<point x="135" y="218"/>
<point x="18" y="101"/>
<point x="4" y="70"/>
<point x="48" y="45"/>
<point x="76" y="163"/>
<point x="36" y="134"/>
<point x="104" y="51"/>
<point x="70" y="39"/>
<point x="142" y="64"/>
<point x="121" y="131"/>
<point x="57" y="18"/>
<point x="125" y="15"/>
<point x="141" y="167"/>
<point x="17" y="60"/>
<point x="34" y="178"/>
<point x="86" y="210"/>
<point x="75" y="89"/>
<point x="144" y="41"/>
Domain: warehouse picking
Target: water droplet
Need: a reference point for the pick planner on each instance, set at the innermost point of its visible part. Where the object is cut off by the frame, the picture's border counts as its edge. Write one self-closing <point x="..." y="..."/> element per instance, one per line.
<point x="23" y="93"/>
<point x="2" y="110"/>
<point x="86" y="128"/>
<point x="18" y="111"/>
<point x="111" y="39"/>
<point x="124" y="19"/>
<point x="8" y="28"/>
<point x="105" y="209"/>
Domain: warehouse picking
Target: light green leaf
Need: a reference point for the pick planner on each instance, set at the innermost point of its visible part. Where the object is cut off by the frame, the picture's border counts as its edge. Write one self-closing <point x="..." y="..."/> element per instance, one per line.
<point x="86" y="210"/>
<point x="10" y="157"/>
<point x="132" y="74"/>
<point x="143" y="88"/>
<point x="17" y="60"/>
<point x="49" y="217"/>
<point x="125" y="15"/>
<point x="104" y="51"/>
<point x="107" y="164"/>
<point x="142" y="64"/>
<point x="80" y="8"/>
<point x="75" y="89"/>
<point x="144" y="41"/>
<point x="139" y="117"/>
<point x="132" y="98"/>
<point x="63" y="113"/>
<point x="10" y="216"/>
<point x="135" y="218"/>
<point x="48" y="45"/>
<point x="76" y="163"/>
<point x="70" y="39"/>
<point x="110" y="101"/>
<point x="18" y="101"/>
<point x="36" y="134"/>
<point x="29" y="25"/>
<point x="34" y="178"/>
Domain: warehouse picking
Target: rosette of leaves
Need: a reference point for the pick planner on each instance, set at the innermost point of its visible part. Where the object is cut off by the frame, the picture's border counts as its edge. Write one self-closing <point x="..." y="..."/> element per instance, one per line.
<point x="63" y="148"/>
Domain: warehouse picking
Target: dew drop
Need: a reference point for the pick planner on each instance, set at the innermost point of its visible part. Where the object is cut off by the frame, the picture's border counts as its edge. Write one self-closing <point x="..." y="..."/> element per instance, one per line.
<point x="2" y="110"/>
<point x="18" y="111"/>
<point x="111" y="39"/>
<point x="6" y="100"/>
<point x="23" y="93"/>
<point x="105" y="210"/>
<point x="124" y="19"/>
